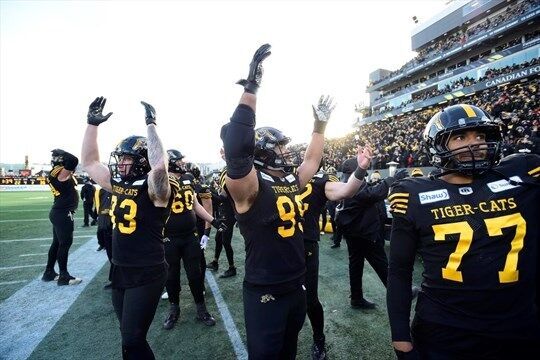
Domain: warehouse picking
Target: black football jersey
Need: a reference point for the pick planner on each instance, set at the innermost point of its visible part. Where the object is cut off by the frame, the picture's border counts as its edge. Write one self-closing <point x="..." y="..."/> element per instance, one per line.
<point x="102" y="202"/>
<point x="273" y="232"/>
<point x="182" y="219"/>
<point x="138" y="225"/>
<point x="314" y="200"/>
<point x="226" y="209"/>
<point x="203" y="192"/>
<point x="64" y="192"/>
<point x="479" y="246"/>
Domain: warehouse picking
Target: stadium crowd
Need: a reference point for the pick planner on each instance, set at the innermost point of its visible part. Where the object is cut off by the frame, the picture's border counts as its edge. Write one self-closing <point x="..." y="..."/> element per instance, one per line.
<point x="398" y="139"/>
<point x="461" y="37"/>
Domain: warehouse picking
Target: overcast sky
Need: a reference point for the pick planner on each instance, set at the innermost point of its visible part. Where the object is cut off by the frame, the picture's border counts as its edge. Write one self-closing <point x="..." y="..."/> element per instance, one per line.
<point x="184" y="58"/>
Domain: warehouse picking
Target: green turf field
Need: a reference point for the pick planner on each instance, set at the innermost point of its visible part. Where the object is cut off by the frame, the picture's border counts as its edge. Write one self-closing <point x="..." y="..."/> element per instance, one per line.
<point x="89" y="329"/>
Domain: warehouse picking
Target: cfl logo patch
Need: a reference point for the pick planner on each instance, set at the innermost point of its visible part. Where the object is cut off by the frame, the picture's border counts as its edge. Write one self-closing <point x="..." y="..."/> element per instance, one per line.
<point x="266" y="298"/>
<point x="465" y="190"/>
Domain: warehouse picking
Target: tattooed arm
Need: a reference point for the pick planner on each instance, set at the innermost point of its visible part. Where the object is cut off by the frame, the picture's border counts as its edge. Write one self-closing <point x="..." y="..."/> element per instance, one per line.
<point x="159" y="189"/>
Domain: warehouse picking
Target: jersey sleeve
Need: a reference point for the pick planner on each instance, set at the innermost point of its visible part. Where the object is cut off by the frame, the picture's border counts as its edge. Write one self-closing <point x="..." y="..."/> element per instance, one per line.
<point x="403" y="240"/>
<point x="175" y="186"/>
<point x="399" y="201"/>
<point x="55" y="171"/>
<point x="205" y="192"/>
<point x="533" y="166"/>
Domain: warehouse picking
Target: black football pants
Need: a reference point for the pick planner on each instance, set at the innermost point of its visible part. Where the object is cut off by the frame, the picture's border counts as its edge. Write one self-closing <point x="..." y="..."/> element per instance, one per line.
<point x="104" y="237"/>
<point x="273" y="322"/>
<point x="135" y="309"/>
<point x="370" y="248"/>
<point x="224" y="240"/>
<point x="187" y="249"/>
<point x="62" y="222"/>
<point x="314" y="307"/>
<point x="89" y="211"/>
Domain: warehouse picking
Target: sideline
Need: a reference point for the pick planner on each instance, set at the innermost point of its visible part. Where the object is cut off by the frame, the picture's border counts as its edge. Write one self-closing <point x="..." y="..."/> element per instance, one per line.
<point x="27" y="316"/>
<point x="234" y="336"/>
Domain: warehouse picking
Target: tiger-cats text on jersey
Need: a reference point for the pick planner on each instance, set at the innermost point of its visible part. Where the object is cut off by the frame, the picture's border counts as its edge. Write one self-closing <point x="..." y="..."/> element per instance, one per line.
<point x="138" y="225"/>
<point x="314" y="200"/>
<point x="64" y="192"/>
<point x="479" y="246"/>
<point x="273" y="232"/>
<point x="182" y="219"/>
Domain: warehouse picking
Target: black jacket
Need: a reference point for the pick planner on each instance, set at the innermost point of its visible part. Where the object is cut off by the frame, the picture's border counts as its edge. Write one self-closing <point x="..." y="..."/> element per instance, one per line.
<point x="361" y="214"/>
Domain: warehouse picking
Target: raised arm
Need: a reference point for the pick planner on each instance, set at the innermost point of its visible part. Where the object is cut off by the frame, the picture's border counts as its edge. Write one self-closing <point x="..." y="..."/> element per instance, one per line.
<point x="336" y="191"/>
<point x="90" y="152"/>
<point x="159" y="189"/>
<point x="239" y="138"/>
<point x="314" y="151"/>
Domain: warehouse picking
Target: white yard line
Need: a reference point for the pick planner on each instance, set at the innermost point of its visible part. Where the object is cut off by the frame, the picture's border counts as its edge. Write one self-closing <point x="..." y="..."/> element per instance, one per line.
<point x="234" y="336"/>
<point x="27" y="316"/>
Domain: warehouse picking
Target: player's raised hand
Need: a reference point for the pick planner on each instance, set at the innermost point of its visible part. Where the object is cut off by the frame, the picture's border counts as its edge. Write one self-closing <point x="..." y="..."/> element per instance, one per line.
<point x="364" y="156"/>
<point x="95" y="112"/>
<point x="251" y="84"/>
<point x="322" y="113"/>
<point x="150" y="113"/>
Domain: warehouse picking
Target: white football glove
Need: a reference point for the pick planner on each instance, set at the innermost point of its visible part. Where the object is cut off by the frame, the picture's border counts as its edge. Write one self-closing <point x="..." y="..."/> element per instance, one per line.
<point x="204" y="241"/>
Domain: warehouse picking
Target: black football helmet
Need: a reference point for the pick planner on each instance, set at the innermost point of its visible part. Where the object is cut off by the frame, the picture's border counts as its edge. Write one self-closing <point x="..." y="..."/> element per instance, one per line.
<point x="194" y="170"/>
<point x="135" y="147"/>
<point x="267" y="154"/>
<point x="456" y="119"/>
<point x="57" y="157"/>
<point x="174" y="157"/>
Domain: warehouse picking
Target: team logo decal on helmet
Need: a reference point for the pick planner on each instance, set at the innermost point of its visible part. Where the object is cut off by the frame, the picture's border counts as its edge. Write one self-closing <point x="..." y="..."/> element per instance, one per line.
<point x="457" y="119"/>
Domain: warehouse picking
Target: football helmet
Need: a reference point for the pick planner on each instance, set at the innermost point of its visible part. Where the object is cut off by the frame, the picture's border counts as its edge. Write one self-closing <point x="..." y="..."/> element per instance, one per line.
<point x="269" y="155"/>
<point x="194" y="170"/>
<point x="176" y="165"/>
<point x="456" y="119"/>
<point x="136" y="148"/>
<point x="57" y="157"/>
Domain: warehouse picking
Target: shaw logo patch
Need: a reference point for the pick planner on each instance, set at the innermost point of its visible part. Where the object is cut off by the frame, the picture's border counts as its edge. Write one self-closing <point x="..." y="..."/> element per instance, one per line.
<point x="502" y="185"/>
<point x="267" y="177"/>
<point x="465" y="190"/>
<point x="186" y="182"/>
<point x="433" y="196"/>
<point x="290" y="178"/>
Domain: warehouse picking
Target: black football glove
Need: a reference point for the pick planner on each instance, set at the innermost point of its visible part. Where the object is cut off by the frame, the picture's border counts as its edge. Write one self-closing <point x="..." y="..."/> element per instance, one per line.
<point x="251" y="84"/>
<point x="219" y="225"/>
<point x="150" y="113"/>
<point x="95" y="112"/>
<point x="401" y="174"/>
<point x="322" y="113"/>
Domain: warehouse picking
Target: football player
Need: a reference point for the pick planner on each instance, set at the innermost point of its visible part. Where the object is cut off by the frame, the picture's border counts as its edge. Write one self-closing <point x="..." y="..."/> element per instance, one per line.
<point x="104" y="226"/>
<point x="142" y="195"/>
<point x="63" y="186"/>
<point x="321" y="188"/>
<point x="204" y="196"/>
<point x="474" y="225"/>
<point x="182" y="243"/>
<point x="224" y="238"/>
<point x="265" y="190"/>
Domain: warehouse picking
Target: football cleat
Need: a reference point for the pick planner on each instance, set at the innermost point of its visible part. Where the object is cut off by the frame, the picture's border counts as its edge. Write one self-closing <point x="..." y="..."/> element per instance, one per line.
<point x="68" y="280"/>
<point x="228" y="273"/>
<point x="165" y="296"/>
<point x="213" y="266"/>
<point x="49" y="275"/>
<point x="318" y="350"/>
<point x="172" y="318"/>
<point x="205" y="318"/>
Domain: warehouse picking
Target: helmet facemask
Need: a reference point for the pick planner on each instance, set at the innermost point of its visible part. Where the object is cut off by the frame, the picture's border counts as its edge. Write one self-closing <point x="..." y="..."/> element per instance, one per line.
<point x="272" y="153"/>
<point x="133" y="148"/>
<point x="469" y="160"/>
<point x="176" y="164"/>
